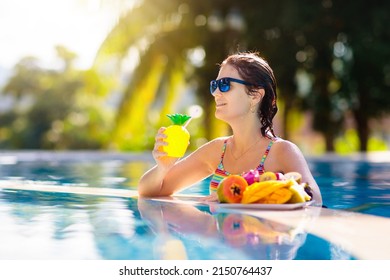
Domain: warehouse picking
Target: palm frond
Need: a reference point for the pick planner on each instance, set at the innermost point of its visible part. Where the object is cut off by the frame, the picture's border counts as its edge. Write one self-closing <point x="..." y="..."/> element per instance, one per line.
<point x="130" y="126"/>
<point x="140" y="23"/>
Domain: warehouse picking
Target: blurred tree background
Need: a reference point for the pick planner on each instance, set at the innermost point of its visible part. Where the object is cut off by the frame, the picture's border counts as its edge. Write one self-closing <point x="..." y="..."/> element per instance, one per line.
<point x="331" y="60"/>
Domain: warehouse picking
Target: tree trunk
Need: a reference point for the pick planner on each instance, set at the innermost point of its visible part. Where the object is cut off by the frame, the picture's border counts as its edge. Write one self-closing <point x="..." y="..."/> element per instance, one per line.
<point x="329" y="142"/>
<point x="362" y="129"/>
<point x="361" y="117"/>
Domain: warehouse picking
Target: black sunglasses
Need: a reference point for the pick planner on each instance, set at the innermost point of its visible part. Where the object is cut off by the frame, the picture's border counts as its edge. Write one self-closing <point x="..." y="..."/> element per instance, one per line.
<point x="224" y="84"/>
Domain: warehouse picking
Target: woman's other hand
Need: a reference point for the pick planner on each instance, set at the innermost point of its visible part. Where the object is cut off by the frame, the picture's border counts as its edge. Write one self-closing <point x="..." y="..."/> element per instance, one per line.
<point x="210" y="198"/>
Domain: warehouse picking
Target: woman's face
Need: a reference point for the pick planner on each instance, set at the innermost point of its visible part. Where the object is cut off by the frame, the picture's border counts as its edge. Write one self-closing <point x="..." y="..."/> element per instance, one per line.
<point x="235" y="102"/>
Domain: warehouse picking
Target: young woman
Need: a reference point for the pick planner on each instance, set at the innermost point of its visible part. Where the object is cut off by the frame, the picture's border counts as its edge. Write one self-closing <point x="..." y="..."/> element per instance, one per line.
<point x="245" y="98"/>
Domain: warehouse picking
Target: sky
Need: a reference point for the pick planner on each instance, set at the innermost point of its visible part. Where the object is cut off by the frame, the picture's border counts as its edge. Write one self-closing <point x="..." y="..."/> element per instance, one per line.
<point x="35" y="27"/>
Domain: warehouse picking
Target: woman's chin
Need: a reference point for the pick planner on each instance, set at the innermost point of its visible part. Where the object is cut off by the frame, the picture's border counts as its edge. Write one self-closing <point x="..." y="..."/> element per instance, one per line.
<point x="219" y="115"/>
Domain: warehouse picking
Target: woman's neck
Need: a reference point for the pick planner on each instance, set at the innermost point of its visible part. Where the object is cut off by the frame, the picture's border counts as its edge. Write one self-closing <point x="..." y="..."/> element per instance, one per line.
<point x="245" y="136"/>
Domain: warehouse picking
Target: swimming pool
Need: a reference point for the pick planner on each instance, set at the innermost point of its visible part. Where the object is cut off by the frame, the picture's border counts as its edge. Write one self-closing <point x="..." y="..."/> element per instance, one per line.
<point x="81" y="205"/>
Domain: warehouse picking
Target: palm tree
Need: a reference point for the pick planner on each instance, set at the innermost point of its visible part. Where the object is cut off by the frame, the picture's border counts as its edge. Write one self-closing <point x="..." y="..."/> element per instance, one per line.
<point x="164" y="35"/>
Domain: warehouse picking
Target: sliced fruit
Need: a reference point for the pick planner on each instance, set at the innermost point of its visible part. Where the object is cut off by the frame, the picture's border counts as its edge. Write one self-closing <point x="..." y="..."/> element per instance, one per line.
<point x="257" y="191"/>
<point x="279" y="176"/>
<point x="308" y="190"/>
<point x="231" y="189"/>
<point x="279" y="196"/>
<point x="267" y="176"/>
<point x="299" y="194"/>
<point x="293" y="175"/>
<point x="252" y="176"/>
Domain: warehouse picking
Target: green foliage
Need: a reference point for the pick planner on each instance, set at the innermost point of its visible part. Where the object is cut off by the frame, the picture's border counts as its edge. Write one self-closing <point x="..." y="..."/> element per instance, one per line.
<point x="341" y="47"/>
<point x="349" y="142"/>
<point x="53" y="109"/>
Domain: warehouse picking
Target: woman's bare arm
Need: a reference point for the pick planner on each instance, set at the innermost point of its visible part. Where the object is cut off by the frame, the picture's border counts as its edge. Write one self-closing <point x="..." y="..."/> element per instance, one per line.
<point x="287" y="157"/>
<point x="170" y="175"/>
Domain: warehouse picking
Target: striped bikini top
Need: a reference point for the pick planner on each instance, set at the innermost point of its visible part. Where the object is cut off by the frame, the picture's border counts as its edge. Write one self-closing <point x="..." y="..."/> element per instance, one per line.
<point x="220" y="173"/>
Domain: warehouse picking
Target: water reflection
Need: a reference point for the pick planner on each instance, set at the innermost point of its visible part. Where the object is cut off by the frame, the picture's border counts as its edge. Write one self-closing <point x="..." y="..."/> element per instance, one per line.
<point x="40" y="225"/>
<point x="353" y="185"/>
<point x="113" y="173"/>
<point x="231" y="234"/>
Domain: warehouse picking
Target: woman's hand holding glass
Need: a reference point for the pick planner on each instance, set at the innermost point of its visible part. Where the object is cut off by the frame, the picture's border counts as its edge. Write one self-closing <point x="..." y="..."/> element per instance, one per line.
<point x="158" y="153"/>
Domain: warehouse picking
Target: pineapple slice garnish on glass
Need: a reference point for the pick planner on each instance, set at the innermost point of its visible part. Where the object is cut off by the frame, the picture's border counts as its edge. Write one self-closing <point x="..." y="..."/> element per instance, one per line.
<point x="177" y="135"/>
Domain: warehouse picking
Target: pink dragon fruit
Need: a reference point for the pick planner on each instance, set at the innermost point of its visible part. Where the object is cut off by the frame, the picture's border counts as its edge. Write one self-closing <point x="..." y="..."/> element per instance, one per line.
<point x="251" y="176"/>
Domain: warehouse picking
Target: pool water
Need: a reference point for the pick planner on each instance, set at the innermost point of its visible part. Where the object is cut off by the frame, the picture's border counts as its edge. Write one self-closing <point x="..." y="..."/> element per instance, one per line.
<point x="355" y="185"/>
<point x="44" y="225"/>
<point x="40" y="225"/>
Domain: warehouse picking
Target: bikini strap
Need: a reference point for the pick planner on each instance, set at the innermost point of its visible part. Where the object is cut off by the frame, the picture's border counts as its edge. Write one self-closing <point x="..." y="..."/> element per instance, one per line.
<point x="261" y="165"/>
<point x="223" y="150"/>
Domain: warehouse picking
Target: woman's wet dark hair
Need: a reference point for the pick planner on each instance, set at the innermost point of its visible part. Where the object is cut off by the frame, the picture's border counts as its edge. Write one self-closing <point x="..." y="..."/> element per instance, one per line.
<point x="254" y="69"/>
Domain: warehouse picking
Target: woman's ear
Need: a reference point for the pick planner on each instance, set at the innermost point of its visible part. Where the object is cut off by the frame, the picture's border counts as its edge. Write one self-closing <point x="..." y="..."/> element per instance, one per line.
<point x="257" y="96"/>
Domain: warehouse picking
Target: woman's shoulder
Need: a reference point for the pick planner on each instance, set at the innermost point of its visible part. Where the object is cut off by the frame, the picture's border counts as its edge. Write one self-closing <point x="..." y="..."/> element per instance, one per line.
<point x="220" y="140"/>
<point x="287" y="155"/>
<point x="212" y="147"/>
<point x="210" y="152"/>
<point x="285" y="146"/>
<point x="216" y="142"/>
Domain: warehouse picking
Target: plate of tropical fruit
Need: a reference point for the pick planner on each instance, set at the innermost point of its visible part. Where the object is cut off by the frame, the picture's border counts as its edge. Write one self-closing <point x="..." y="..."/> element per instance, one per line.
<point x="269" y="190"/>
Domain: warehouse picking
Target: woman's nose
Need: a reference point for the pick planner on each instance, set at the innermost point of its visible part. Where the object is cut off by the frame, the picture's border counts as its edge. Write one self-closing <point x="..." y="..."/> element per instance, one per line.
<point x="217" y="92"/>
